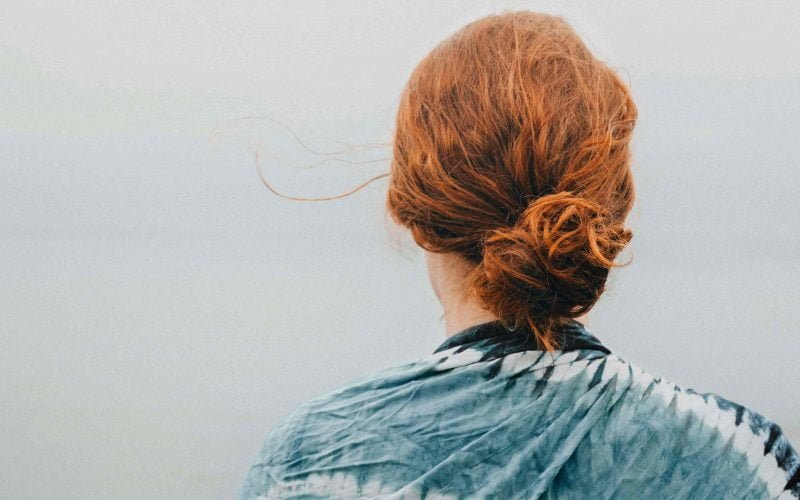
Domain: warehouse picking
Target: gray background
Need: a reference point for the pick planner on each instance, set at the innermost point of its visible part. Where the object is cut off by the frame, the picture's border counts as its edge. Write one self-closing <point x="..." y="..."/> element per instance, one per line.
<point x="161" y="310"/>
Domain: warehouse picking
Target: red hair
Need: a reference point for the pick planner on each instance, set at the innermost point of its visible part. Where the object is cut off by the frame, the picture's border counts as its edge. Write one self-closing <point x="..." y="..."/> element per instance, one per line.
<point x="511" y="149"/>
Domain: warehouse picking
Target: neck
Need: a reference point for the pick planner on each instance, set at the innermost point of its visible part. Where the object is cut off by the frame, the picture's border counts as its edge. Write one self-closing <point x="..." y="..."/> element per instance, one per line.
<point x="461" y="310"/>
<point x="447" y="273"/>
<point x="461" y="315"/>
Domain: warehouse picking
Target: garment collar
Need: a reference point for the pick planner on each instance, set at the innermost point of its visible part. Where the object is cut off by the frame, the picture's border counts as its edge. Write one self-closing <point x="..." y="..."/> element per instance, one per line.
<point x="494" y="339"/>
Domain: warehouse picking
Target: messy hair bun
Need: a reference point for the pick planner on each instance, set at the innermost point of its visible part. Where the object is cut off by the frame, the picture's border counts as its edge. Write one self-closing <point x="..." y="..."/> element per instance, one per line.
<point x="511" y="150"/>
<point x="552" y="264"/>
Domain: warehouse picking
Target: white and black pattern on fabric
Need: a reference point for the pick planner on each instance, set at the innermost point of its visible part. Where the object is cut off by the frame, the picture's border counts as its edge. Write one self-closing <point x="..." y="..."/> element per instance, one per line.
<point x="488" y="415"/>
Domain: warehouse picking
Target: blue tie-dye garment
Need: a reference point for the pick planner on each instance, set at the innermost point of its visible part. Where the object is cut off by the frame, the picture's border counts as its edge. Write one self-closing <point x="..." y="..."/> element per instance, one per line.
<point x="487" y="415"/>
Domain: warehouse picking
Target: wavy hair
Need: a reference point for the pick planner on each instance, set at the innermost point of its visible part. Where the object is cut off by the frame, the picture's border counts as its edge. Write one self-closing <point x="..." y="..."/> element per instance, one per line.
<point x="511" y="149"/>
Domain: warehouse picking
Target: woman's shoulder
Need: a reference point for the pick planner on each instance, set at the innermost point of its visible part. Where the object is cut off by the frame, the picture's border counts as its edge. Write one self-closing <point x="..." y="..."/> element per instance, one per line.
<point x="701" y="430"/>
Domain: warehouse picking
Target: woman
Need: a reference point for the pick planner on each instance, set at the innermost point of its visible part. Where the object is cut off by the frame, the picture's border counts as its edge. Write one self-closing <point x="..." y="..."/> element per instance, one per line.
<point x="511" y="170"/>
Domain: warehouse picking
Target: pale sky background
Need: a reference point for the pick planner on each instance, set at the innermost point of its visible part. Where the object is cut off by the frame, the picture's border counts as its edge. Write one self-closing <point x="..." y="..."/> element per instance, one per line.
<point x="161" y="310"/>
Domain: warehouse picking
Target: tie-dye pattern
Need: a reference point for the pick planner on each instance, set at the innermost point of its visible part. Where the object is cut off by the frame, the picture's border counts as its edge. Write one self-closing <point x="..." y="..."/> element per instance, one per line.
<point x="487" y="415"/>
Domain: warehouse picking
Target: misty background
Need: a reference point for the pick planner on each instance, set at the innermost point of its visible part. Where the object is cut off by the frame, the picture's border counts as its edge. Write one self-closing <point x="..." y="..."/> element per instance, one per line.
<point x="161" y="310"/>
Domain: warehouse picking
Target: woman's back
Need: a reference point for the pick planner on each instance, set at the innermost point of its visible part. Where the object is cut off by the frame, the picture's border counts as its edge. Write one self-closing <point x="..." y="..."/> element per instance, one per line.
<point x="490" y="415"/>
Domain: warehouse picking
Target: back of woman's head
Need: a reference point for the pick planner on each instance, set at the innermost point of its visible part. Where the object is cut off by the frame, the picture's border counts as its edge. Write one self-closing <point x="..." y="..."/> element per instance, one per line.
<point x="511" y="149"/>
